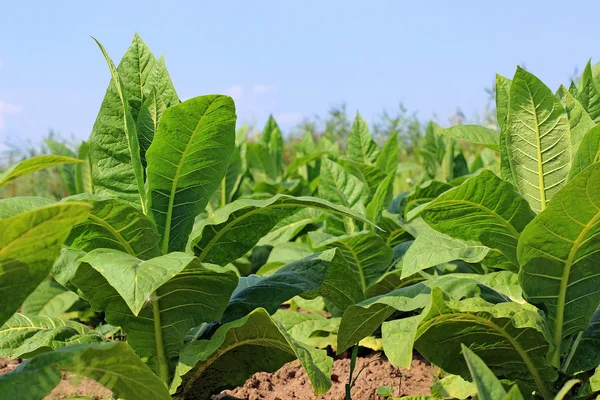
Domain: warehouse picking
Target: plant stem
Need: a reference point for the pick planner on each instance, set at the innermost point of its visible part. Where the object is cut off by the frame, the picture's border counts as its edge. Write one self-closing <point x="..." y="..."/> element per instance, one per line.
<point x="162" y="362"/>
<point x="574" y="347"/>
<point x="352" y="366"/>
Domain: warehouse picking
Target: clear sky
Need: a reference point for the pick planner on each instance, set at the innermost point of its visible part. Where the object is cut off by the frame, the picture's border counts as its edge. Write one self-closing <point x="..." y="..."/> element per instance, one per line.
<point x="288" y="58"/>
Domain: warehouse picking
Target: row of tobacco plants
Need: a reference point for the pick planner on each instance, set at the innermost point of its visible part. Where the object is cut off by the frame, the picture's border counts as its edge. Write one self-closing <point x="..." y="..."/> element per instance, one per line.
<point x="163" y="274"/>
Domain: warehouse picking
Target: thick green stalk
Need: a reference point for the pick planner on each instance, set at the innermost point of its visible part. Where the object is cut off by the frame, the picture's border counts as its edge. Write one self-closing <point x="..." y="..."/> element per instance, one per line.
<point x="162" y="362"/>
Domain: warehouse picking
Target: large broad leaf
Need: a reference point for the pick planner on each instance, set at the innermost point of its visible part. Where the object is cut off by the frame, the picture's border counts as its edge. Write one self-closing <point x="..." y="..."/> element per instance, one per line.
<point x="587" y="153"/>
<point x="16" y="205"/>
<point x="311" y="329"/>
<point x="136" y="280"/>
<point x="580" y="121"/>
<point x="33" y="164"/>
<point x="29" y="244"/>
<point x="327" y="274"/>
<point x="502" y="102"/>
<point x="474" y="134"/>
<point x="233" y="230"/>
<point x="113" y="224"/>
<point x="509" y="337"/>
<point x="260" y="163"/>
<point x="240" y="348"/>
<point x="538" y="140"/>
<point x="158" y="95"/>
<point x="559" y="254"/>
<point x="114" y="145"/>
<point x="432" y="248"/>
<point x="361" y="146"/>
<point x="340" y="187"/>
<point x="187" y="162"/>
<point x="49" y="299"/>
<point x="194" y="296"/>
<point x="27" y="335"/>
<point x="424" y="193"/>
<point x="114" y="365"/>
<point x="365" y="252"/>
<point x="589" y="93"/>
<point x="485" y="209"/>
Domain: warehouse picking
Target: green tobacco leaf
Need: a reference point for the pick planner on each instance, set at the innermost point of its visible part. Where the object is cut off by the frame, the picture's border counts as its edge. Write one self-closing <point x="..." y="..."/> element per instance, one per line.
<point x="272" y="139"/>
<point x="538" y="140"/>
<point x="509" y="337"/>
<point x="559" y="253"/>
<point x="474" y="134"/>
<point x="586" y="356"/>
<point x="67" y="171"/>
<point x="29" y="244"/>
<point x="136" y="280"/>
<point x="310" y="329"/>
<point x="290" y="227"/>
<point x="365" y="252"/>
<point x="340" y="187"/>
<point x="361" y="146"/>
<point x="387" y="160"/>
<point x="393" y="229"/>
<point x="326" y="274"/>
<point x="453" y="386"/>
<point x="381" y="199"/>
<point x="485" y="209"/>
<point x="27" y="335"/>
<point x="49" y="299"/>
<point x="239" y="349"/>
<point x="187" y="162"/>
<point x="114" y="224"/>
<point x="502" y="103"/>
<point x="225" y="235"/>
<point x="16" y="205"/>
<point x="114" y="145"/>
<point x="83" y="170"/>
<point x="589" y="93"/>
<point x="432" y="248"/>
<point x="391" y="281"/>
<point x="194" y="296"/>
<point x="233" y="177"/>
<point x="33" y="164"/>
<point x="158" y="95"/>
<point x="66" y="266"/>
<point x="587" y="153"/>
<point x="260" y="163"/>
<point x="488" y="386"/>
<point x="580" y="121"/>
<point x="424" y="193"/>
<point x="114" y="365"/>
<point x="369" y="175"/>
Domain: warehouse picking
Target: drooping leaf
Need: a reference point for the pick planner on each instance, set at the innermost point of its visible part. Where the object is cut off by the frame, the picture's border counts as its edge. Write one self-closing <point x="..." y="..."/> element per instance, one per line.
<point x="485" y="209"/>
<point x="114" y="365"/>
<point x="361" y="146"/>
<point x="33" y="164"/>
<point x="365" y="252"/>
<point x="114" y="146"/>
<point x="187" y="162"/>
<point x="29" y="244"/>
<point x="488" y="386"/>
<point x="538" y="140"/>
<point x="474" y="134"/>
<point x="196" y="295"/>
<point x="587" y="153"/>
<point x="27" y="335"/>
<point x="432" y="248"/>
<point x="114" y="224"/>
<point x="233" y="230"/>
<point x="49" y="299"/>
<point x="559" y="254"/>
<point x="327" y="274"/>
<point x="136" y="280"/>
<point x="240" y="348"/>
<point x="311" y="329"/>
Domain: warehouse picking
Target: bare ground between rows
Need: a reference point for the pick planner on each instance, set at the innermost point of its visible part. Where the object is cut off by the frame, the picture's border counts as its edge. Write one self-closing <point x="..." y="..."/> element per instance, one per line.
<point x="290" y="382"/>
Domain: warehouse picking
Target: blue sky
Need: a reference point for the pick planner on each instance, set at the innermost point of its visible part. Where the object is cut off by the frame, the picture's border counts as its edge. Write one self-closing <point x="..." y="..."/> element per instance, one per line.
<point x="288" y="58"/>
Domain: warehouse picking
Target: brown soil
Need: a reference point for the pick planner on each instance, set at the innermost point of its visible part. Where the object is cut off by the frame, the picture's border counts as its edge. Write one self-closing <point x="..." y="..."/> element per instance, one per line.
<point x="69" y="386"/>
<point x="291" y="382"/>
